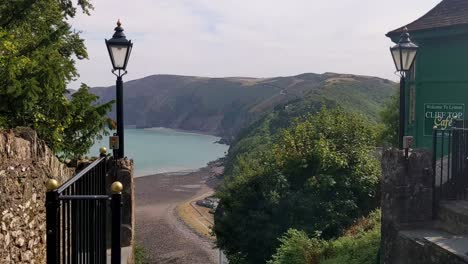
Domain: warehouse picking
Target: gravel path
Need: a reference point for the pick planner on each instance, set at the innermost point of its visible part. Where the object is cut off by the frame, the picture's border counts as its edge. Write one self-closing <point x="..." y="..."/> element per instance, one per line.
<point x="158" y="229"/>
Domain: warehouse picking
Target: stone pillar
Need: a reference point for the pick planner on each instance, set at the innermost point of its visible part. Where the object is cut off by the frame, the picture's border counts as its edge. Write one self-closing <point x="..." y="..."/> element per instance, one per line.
<point x="122" y="170"/>
<point x="406" y="195"/>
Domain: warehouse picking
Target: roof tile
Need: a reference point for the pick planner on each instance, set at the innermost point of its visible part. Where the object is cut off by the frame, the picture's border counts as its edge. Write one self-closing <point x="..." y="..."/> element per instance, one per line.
<point x="447" y="13"/>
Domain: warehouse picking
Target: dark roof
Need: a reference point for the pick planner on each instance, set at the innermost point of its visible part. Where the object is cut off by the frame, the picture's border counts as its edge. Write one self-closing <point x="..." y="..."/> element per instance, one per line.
<point x="447" y="13"/>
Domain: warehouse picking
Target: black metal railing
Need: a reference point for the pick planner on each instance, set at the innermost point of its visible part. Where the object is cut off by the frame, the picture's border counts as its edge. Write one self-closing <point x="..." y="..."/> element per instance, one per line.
<point x="76" y="218"/>
<point x="450" y="164"/>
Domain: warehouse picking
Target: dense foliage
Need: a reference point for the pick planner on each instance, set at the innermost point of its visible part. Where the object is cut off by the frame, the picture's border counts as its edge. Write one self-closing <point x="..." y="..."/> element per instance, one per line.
<point x="38" y="49"/>
<point x="259" y="137"/>
<point x="88" y="121"/>
<point x="390" y="122"/>
<point x="318" y="175"/>
<point x="358" y="245"/>
<point x="297" y="248"/>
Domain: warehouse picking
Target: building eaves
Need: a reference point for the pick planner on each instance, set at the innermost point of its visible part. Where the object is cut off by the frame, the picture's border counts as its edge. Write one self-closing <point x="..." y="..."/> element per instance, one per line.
<point x="447" y="13"/>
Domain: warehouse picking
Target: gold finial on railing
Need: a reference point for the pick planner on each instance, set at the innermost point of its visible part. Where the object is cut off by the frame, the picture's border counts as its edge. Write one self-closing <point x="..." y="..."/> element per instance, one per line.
<point x="52" y="185"/>
<point x="103" y="150"/>
<point x="116" y="187"/>
<point x="434" y="127"/>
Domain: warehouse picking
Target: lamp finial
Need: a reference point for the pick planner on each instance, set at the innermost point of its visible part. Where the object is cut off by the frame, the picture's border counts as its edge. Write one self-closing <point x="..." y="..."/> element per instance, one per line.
<point x="119" y="23"/>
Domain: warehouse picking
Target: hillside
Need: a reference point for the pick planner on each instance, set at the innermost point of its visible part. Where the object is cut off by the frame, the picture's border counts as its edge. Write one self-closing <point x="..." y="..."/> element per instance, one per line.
<point x="312" y="172"/>
<point x="224" y="106"/>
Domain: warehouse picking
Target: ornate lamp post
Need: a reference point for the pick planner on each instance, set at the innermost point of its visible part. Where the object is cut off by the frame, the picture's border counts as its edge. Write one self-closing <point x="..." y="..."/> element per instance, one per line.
<point x="119" y="52"/>
<point x="404" y="55"/>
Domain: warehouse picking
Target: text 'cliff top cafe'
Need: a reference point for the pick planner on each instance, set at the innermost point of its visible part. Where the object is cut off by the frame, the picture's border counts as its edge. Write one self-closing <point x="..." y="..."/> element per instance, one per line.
<point x="436" y="90"/>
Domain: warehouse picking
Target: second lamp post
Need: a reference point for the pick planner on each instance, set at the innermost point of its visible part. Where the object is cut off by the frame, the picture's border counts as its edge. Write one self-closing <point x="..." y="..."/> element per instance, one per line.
<point x="404" y="55"/>
<point x="119" y="51"/>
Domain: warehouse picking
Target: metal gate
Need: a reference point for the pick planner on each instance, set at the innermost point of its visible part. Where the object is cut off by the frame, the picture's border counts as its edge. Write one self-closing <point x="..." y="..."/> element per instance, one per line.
<point x="77" y="217"/>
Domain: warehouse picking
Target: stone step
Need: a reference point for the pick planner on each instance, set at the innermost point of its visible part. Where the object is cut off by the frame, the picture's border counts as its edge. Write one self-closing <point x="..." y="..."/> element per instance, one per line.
<point x="454" y="216"/>
<point x="126" y="255"/>
<point x="431" y="246"/>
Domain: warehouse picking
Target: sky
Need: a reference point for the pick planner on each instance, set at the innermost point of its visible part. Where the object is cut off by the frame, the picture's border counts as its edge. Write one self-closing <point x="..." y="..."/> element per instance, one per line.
<point x="248" y="38"/>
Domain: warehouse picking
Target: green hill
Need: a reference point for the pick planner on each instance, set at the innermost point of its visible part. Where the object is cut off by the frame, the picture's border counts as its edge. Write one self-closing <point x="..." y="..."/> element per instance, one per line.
<point x="225" y="106"/>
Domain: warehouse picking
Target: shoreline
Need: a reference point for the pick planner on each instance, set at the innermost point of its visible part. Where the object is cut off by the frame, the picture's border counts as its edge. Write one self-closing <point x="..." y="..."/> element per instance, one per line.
<point x="181" y="159"/>
<point x="159" y="227"/>
<point x="212" y="165"/>
<point x="220" y="139"/>
<point x="171" y="173"/>
<point x="196" y="132"/>
<point x="192" y="217"/>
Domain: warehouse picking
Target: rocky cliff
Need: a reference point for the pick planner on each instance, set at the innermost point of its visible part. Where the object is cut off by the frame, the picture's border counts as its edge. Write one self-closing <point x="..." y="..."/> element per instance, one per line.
<point x="25" y="165"/>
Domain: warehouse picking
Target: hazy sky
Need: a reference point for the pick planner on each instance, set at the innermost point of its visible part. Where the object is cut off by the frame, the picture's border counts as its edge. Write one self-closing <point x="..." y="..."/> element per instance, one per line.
<point x="255" y="38"/>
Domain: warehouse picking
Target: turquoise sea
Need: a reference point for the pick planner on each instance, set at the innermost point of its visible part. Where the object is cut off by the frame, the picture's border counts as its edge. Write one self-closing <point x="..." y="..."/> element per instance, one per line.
<point x="158" y="150"/>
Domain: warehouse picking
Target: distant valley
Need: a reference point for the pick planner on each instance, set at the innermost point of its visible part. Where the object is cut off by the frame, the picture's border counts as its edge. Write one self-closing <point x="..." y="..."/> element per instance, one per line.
<point x="224" y="106"/>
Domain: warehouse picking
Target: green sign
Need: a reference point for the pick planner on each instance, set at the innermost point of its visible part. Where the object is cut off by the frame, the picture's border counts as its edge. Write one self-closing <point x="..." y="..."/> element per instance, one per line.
<point x="441" y="115"/>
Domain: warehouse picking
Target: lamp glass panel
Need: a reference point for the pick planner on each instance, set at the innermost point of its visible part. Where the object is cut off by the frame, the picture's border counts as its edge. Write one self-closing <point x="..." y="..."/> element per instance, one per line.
<point x="119" y="54"/>
<point x="128" y="56"/>
<point x="408" y="56"/>
<point x="396" y="58"/>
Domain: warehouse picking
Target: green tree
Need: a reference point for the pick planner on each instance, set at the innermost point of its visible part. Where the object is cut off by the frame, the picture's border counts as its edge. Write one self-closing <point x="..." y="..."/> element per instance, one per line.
<point x="87" y="122"/>
<point x="318" y="176"/>
<point x="389" y="117"/>
<point x="38" y="50"/>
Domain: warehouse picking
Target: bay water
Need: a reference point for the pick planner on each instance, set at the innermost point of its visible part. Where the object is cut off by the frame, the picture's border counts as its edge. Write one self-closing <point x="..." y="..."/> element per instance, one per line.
<point x="160" y="150"/>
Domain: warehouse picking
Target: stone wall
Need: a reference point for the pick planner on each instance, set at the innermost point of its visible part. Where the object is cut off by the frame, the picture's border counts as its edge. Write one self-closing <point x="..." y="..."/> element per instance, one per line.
<point x="25" y="165"/>
<point x="406" y="196"/>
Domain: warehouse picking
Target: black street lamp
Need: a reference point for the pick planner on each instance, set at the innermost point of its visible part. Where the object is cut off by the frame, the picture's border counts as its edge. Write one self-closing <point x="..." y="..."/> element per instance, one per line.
<point x="119" y="52"/>
<point x="404" y="55"/>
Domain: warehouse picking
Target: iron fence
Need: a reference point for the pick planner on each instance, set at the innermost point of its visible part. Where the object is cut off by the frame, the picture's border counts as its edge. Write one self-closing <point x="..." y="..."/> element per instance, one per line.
<point x="76" y="218"/>
<point x="450" y="163"/>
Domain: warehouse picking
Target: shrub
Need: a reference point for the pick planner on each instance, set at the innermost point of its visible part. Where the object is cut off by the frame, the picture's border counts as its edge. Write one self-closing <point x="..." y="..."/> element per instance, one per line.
<point x="359" y="245"/>
<point x="297" y="248"/>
